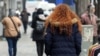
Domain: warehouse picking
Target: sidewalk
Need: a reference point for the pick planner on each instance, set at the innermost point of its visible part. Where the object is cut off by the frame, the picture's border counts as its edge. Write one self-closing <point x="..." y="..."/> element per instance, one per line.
<point x="26" y="47"/>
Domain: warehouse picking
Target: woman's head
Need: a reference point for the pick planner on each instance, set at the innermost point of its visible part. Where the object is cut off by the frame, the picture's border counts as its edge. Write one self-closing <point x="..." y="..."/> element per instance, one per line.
<point x="91" y="8"/>
<point x="63" y="15"/>
<point x="61" y="11"/>
<point x="40" y="11"/>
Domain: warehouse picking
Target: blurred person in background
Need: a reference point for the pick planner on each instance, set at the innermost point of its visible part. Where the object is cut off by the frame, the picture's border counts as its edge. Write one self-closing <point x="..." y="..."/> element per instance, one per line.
<point x="34" y="13"/>
<point x="63" y="33"/>
<point x="38" y="30"/>
<point x="10" y="32"/>
<point x="17" y="13"/>
<point x="89" y="18"/>
<point x="24" y="17"/>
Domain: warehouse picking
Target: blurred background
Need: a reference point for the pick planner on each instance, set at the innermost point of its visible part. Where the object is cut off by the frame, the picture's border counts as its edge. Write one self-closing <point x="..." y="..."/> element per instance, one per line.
<point x="78" y="6"/>
<point x="25" y="43"/>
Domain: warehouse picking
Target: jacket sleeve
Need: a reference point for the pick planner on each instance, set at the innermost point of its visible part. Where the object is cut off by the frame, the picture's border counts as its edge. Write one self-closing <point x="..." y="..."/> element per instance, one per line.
<point x="19" y="22"/>
<point x="34" y="17"/>
<point x="78" y="40"/>
<point x="3" y="21"/>
<point x="48" y="42"/>
<point x="83" y="19"/>
<point x="33" y="14"/>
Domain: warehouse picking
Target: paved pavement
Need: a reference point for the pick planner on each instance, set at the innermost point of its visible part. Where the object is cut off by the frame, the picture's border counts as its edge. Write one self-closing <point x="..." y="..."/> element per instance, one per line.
<point x="26" y="47"/>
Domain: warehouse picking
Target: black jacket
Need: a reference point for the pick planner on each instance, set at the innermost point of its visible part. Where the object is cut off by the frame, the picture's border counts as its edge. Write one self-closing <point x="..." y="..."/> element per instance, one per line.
<point x="63" y="45"/>
<point x="36" y="35"/>
<point x="25" y="16"/>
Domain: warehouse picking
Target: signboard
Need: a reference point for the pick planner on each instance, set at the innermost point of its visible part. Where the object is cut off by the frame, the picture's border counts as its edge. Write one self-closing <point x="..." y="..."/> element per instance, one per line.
<point x="87" y="39"/>
<point x="59" y="1"/>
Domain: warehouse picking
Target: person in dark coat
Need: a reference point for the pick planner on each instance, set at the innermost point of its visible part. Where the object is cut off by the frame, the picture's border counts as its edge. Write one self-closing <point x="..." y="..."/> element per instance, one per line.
<point x="63" y="37"/>
<point x="24" y="17"/>
<point x="37" y="35"/>
<point x="34" y="13"/>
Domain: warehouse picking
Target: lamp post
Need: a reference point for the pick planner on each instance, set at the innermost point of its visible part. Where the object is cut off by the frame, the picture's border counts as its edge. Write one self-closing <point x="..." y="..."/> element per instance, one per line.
<point x="1" y="9"/>
<point x="24" y="3"/>
<point x="79" y="6"/>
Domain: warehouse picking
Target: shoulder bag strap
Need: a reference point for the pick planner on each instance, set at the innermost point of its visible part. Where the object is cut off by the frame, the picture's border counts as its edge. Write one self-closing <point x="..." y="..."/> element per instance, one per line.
<point x="14" y="24"/>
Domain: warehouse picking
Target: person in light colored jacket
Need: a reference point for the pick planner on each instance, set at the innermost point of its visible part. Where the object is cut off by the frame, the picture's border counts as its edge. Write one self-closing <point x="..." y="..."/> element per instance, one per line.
<point x="89" y="18"/>
<point x="10" y="33"/>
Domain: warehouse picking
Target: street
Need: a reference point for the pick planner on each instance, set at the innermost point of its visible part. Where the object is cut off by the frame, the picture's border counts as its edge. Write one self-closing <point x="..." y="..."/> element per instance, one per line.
<point x="25" y="47"/>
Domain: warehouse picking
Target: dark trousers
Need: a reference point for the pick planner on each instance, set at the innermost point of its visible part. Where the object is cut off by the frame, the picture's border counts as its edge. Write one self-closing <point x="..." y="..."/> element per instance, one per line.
<point x="25" y="26"/>
<point x="95" y="39"/>
<point x="12" y="46"/>
<point x="40" y="47"/>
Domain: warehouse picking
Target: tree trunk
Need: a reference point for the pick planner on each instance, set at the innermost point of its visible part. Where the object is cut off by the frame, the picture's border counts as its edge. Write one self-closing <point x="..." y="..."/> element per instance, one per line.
<point x="98" y="9"/>
<point x="81" y="6"/>
<point x="24" y="4"/>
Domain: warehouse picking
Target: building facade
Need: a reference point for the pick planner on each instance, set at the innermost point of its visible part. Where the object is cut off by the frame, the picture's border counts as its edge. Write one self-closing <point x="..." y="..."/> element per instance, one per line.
<point x="5" y="5"/>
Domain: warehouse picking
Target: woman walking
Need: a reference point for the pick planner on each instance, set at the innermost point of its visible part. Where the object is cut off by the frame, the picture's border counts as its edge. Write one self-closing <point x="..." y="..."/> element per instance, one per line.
<point x="89" y="18"/>
<point x="38" y="30"/>
<point x="11" y="33"/>
<point x="63" y="37"/>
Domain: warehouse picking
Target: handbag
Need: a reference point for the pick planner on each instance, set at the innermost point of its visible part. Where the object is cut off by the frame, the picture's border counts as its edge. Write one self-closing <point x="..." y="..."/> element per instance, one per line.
<point x="18" y="33"/>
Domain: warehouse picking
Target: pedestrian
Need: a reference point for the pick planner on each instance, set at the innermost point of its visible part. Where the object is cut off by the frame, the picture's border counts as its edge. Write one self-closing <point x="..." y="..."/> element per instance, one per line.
<point x="17" y="13"/>
<point x="11" y="32"/>
<point x="38" y="30"/>
<point x="24" y="17"/>
<point x="33" y="14"/>
<point x="89" y="18"/>
<point x="63" y="37"/>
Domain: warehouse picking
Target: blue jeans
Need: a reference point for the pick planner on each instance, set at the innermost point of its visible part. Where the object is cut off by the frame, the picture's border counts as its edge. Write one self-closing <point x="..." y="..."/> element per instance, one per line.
<point x="12" y="46"/>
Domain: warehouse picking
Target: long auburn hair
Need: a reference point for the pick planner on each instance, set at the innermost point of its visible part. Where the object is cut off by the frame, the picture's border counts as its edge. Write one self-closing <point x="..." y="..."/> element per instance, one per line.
<point x="63" y="15"/>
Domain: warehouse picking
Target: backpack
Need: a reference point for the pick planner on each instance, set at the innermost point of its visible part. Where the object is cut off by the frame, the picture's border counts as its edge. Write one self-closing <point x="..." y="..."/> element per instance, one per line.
<point x="40" y="26"/>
